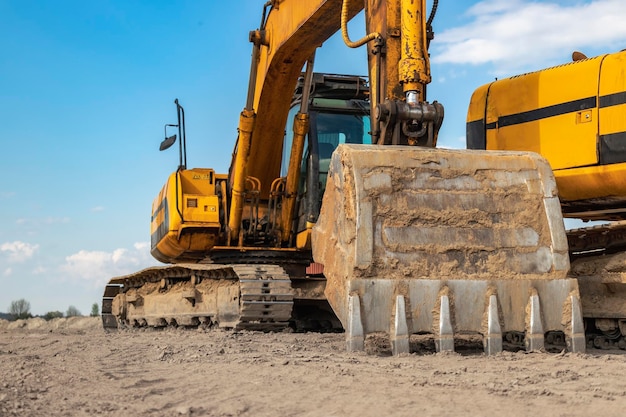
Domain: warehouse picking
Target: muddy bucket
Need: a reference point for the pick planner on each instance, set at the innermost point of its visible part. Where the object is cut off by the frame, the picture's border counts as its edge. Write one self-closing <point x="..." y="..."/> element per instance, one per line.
<point x="447" y="242"/>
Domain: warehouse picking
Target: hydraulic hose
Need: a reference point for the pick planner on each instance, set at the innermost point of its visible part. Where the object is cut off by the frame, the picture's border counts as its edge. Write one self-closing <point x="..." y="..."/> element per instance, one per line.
<point x="429" y="24"/>
<point x="344" y="29"/>
<point x="433" y="12"/>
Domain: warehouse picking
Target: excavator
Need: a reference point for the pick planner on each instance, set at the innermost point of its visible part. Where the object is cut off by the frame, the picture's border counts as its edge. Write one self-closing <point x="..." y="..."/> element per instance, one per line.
<point x="573" y="115"/>
<point x="339" y="211"/>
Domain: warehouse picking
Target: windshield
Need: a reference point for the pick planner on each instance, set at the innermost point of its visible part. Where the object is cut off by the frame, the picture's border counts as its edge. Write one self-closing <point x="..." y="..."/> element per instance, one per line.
<point x="332" y="129"/>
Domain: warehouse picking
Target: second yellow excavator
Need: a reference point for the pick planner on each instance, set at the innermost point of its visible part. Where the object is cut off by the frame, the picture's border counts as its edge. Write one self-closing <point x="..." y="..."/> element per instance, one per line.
<point x="573" y="115"/>
<point x="339" y="212"/>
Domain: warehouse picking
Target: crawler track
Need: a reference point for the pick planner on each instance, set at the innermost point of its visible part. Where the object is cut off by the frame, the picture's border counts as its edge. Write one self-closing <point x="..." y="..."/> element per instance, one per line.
<point x="598" y="256"/>
<point x="256" y="297"/>
<point x="602" y="239"/>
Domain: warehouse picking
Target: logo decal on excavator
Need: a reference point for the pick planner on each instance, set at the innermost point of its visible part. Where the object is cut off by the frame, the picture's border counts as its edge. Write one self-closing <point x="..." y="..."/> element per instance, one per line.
<point x="202" y="177"/>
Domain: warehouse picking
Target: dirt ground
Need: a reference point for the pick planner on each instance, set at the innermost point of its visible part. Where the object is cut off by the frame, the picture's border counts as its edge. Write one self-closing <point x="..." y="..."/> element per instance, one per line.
<point x="71" y="367"/>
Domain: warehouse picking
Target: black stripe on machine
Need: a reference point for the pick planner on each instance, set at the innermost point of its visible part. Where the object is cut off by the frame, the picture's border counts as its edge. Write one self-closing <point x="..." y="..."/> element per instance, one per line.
<point x="549" y="111"/>
<point x="613" y="99"/>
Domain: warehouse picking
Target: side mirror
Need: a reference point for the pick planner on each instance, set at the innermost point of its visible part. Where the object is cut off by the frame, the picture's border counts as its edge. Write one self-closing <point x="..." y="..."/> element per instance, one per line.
<point x="167" y="142"/>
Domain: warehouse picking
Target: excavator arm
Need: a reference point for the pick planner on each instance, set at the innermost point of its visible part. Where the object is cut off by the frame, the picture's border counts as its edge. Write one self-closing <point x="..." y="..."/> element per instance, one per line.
<point x="288" y="35"/>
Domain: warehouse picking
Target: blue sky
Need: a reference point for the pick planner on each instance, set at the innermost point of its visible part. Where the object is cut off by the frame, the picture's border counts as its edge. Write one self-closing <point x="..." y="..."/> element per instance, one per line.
<point x="86" y="87"/>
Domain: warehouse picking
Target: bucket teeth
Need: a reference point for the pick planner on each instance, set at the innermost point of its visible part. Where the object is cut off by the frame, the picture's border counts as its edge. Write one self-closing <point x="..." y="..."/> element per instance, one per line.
<point x="454" y="313"/>
<point x="400" y="330"/>
<point x="444" y="339"/>
<point x="534" y="327"/>
<point x="576" y="340"/>
<point x="355" y="338"/>
<point x="493" y="338"/>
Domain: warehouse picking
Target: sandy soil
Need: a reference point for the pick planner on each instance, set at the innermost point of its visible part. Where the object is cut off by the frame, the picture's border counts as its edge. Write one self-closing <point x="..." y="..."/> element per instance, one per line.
<point x="73" y="368"/>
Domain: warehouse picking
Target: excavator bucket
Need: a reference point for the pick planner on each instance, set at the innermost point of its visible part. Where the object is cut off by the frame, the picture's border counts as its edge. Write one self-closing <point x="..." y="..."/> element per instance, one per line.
<point x="447" y="242"/>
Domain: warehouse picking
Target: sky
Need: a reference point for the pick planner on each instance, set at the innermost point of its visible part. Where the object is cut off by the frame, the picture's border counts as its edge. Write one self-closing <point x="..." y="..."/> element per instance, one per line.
<point x="87" y="86"/>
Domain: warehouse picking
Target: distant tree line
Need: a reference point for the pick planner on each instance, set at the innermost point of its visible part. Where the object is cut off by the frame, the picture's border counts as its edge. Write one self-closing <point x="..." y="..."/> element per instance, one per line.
<point x="20" y="310"/>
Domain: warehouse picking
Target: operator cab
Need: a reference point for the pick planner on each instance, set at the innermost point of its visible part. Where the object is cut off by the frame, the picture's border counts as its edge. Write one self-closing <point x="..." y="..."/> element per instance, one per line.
<point x="339" y="113"/>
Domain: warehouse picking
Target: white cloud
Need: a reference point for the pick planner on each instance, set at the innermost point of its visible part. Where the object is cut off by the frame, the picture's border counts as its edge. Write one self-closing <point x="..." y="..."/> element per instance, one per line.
<point x="39" y="270"/>
<point x="5" y="195"/>
<point x="7" y="272"/>
<point x="458" y="143"/>
<point x="97" y="267"/>
<point x="42" y="221"/>
<point x="97" y="209"/>
<point x="18" y="251"/>
<point x="141" y="246"/>
<point x="451" y="73"/>
<point x="518" y="35"/>
<point x="118" y="255"/>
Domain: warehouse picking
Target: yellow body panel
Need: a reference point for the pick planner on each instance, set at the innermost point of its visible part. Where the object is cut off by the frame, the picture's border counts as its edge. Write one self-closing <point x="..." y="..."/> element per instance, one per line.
<point x="185" y="216"/>
<point x="589" y="182"/>
<point x="574" y="115"/>
<point x="303" y="239"/>
<point x="535" y="112"/>
<point x="613" y="98"/>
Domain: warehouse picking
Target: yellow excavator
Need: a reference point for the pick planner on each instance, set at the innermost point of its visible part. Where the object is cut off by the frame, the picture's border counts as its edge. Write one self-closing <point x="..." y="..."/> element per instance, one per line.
<point x="338" y="210"/>
<point x="574" y="116"/>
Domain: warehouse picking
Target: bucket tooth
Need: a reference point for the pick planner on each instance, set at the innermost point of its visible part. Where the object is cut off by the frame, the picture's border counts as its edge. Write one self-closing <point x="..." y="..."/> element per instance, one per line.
<point x="355" y="337"/>
<point x="493" y="338"/>
<point x="444" y="339"/>
<point x="534" y="327"/>
<point x="576" y="339"/>
<point x="400" y="329"/>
